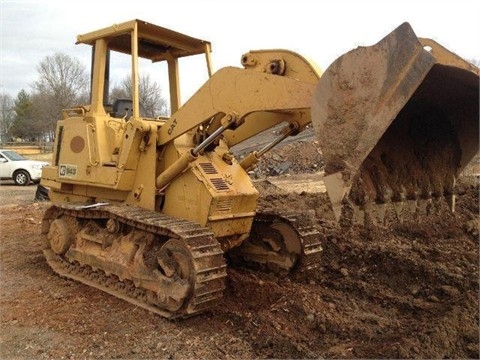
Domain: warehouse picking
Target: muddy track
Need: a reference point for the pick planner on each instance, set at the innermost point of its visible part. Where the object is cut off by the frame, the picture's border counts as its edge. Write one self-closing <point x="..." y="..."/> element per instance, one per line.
<point x="203" y="291"/>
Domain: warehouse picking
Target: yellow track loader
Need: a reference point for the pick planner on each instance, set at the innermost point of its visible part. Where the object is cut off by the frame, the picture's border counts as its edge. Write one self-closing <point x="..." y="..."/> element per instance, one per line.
<point x="146" y="209"/>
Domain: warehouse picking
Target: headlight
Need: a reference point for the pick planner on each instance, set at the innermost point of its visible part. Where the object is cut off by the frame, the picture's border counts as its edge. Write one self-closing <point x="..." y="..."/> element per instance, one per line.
<point x="37" y="167"/>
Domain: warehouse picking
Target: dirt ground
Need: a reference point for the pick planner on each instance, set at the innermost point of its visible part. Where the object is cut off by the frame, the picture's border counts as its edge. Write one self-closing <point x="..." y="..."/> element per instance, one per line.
<point x="406" y="291"/>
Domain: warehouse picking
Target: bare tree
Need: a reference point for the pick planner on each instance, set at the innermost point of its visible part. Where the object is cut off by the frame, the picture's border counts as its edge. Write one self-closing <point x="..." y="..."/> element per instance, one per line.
<point x="62" y="76"/>
<point x="62" y="83"/>
<point x="7" y="117"/>
<point x="119" y="92"/>
<point x="150" y="95"/>
<point x="45" y="116"/>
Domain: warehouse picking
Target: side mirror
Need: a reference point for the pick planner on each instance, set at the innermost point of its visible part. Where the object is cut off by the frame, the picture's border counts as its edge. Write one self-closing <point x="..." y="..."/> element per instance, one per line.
<point x="3" y="160"/>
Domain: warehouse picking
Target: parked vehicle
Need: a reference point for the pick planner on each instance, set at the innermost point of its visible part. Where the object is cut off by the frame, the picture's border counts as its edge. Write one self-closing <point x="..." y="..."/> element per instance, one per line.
<point x="21" y="170"/>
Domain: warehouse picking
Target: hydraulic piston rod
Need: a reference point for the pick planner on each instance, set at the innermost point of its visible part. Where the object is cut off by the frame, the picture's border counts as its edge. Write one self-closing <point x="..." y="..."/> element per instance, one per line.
<point x="182" y="163"/>
<point x="251" y="159"/>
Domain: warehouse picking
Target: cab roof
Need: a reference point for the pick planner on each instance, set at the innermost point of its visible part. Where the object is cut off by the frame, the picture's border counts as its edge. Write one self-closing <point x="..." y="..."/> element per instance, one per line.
<point x="154" y="42"/>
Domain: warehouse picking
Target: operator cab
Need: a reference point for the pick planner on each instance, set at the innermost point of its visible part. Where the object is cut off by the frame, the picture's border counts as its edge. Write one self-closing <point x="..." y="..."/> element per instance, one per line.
<point x="139" y="39"/>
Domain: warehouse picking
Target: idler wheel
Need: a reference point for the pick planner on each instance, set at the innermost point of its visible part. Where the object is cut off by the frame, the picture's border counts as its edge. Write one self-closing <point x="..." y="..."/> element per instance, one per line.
<point x="60" y="236"/>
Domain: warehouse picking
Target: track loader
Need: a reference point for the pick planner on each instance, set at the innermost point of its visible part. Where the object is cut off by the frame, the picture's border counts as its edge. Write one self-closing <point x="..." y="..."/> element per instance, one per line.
<point x="147" y="209"/>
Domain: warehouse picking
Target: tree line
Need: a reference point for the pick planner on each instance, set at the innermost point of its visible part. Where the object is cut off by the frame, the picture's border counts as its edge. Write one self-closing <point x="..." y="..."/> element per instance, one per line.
<point x="63" y="82"/>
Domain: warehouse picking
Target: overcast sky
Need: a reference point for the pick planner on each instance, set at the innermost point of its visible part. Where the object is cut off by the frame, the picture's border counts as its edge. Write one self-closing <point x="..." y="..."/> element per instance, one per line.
<point x="319" y="30"/>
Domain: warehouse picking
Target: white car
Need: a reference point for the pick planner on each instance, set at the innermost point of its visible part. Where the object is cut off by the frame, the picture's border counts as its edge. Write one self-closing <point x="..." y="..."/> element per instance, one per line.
<point x="14" y="166"/>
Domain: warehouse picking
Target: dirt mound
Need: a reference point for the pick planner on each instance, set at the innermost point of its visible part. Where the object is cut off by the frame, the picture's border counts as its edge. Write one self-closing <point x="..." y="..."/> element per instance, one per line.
<point x="296" y="158"/>
<point x="298" y="154"/>
<point x="409" y="290"/>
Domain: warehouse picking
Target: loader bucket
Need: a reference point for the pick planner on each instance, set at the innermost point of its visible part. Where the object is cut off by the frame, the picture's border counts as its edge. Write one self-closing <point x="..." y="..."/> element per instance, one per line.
<point x="397" y="122"/>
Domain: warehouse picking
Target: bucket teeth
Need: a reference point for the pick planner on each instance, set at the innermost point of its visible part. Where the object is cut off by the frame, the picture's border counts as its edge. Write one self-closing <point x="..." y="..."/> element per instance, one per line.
<point x="398" y="207"/>
<point x="412" y="206"/>
<point x="381" y="214"/>
<point x="451" y="202"/>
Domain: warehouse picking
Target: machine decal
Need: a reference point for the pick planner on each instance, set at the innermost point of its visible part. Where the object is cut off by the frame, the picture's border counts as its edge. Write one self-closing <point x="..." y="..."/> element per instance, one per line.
<point x="66" y="170"/>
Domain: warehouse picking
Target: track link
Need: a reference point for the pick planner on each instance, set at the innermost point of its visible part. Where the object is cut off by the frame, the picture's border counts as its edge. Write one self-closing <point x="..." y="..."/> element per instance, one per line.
<point x="207" y="259"/>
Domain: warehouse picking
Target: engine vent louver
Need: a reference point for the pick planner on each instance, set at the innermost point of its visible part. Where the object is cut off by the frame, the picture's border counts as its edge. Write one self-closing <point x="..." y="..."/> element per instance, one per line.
<point x="210" y="171"/>
<point x="224" y="205"/>
<point x="219" y="184"/>
<point x="208" y="168"/>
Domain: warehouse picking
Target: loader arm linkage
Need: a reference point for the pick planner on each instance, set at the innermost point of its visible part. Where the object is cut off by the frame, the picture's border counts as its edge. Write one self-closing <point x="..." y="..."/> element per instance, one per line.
<point x="261" y="95"/>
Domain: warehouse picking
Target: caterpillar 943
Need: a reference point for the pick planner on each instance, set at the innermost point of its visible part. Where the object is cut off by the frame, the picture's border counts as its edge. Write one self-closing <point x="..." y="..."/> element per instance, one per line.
<point x="146" y="208"/>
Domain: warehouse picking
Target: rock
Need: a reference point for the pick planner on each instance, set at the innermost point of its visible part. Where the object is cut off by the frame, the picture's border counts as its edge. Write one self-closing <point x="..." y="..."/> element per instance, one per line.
<point x="450" y="291"/>
<point x="472" y="227"/>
